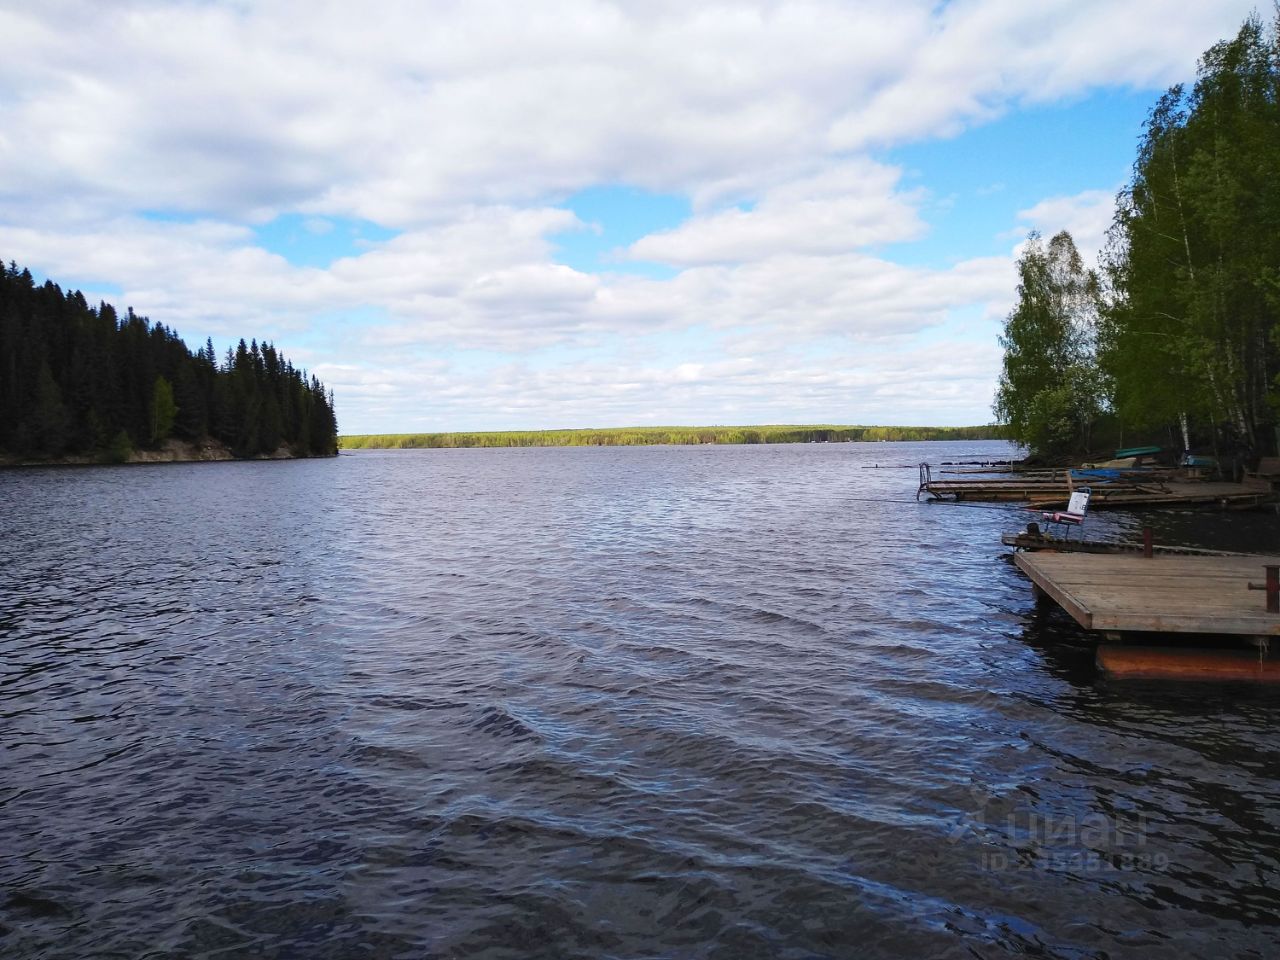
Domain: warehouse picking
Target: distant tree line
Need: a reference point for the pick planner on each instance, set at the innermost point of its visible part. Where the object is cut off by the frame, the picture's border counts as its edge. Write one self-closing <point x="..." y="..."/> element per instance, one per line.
<point x="1177" y="335"/>
<point x="80" y="380"/>
<point x="644" y="436"/>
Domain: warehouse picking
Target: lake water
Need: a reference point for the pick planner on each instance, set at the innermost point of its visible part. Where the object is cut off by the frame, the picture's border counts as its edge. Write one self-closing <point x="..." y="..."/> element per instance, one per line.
<point x="639" y="702"/>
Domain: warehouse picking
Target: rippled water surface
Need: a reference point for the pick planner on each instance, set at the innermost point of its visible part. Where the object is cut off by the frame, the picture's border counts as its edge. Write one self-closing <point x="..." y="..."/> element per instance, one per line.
<point x="641" y="702"/>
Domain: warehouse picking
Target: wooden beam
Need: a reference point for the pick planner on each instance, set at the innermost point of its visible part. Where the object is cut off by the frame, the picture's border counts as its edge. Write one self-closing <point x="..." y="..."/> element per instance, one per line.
<point x="1168" y="663"/>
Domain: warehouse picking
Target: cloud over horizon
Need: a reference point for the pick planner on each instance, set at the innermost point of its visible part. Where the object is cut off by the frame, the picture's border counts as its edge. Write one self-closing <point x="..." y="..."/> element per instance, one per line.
<point x="147" y="147"/>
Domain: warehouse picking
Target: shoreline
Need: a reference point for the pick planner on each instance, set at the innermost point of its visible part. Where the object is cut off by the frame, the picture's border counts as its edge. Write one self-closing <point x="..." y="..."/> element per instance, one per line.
<point x="665" y="436"/>
<point x="207" y="450"/>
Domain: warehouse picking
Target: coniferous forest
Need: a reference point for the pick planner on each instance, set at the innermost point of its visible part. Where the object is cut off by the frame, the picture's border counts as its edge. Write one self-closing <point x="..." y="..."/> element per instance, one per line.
<point x="77" y="380"/>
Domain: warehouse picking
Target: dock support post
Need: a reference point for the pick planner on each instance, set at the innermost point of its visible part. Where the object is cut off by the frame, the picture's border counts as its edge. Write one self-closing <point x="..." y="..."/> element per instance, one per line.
<point x="1272" y="586"/>
<point x="1147" y="546"/>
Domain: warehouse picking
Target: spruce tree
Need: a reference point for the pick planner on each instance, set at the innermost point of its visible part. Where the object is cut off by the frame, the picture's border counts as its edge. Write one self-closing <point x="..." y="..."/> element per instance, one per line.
<point x="76" y="379"/>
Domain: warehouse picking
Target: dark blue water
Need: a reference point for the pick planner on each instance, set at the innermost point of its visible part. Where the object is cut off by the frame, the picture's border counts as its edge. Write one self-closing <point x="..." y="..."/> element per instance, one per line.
<point x="641" y="702"/>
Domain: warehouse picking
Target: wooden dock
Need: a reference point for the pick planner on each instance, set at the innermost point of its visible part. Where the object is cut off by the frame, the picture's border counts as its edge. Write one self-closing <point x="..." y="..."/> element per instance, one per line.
<point x="1042" y="541"/>
<point x="1045" y="492"/>
<point x="1172" y="493"/>
<point x="1121" y="594"/>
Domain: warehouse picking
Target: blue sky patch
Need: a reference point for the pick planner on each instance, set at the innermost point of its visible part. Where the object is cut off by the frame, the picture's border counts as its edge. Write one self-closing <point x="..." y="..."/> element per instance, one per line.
<point x="312" y="241"/>
<point x="616" y="217"/>
<point x="979" y="180"/>
<point x="93" y="290"/>
<point x="167" y="216"/>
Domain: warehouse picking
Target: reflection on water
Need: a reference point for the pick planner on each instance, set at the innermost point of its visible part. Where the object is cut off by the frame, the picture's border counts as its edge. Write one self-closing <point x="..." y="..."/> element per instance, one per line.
<point x="636" y="702"/>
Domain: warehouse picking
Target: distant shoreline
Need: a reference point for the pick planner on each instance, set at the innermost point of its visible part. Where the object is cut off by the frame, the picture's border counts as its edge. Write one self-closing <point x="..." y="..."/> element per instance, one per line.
<point x="172" y="451"/>
<point x="653" y="436"/>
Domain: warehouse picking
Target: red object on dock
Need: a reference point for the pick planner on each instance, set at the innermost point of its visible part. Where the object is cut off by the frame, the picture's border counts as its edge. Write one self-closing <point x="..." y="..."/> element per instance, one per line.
<point x="1172" y="663"/>
<point x="1272" y="586"/>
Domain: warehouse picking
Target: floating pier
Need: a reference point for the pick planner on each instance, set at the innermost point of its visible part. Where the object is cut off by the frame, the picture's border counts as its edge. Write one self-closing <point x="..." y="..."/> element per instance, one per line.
<point x="1041" y="541"/>
<point x="1169" y="493"/>
<point x="1160" y="594"/>
<point x="1130" y="492"/>
<point x="1019" y="488"/>
<point x="1169" y="597"/>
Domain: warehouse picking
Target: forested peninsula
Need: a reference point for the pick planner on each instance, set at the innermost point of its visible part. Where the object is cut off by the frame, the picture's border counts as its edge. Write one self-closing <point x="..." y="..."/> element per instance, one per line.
<point x="83" y="384"/>
<point x="1175" y="338"/>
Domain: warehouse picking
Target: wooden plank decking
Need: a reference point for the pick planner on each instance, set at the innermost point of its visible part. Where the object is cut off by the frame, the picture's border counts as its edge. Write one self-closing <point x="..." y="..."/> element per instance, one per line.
<point x="1168" y="594"/>
<point x="1042" y="541"/>
<point x="1171" y="493"/>
<point x="1047" y="491"/>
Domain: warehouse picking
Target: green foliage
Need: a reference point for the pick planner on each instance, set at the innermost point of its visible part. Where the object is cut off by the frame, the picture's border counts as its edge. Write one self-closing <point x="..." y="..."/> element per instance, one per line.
<point x="1188" y="317"/>
<point x="119" y="450"/>
<point x="163" y="410"/>
<point x="46" y="428"/>
<point x="1191" y="325"/>
<point x="644" y="436"/>
<point x="81" y="380"/>
<point x="1050" y="391"/>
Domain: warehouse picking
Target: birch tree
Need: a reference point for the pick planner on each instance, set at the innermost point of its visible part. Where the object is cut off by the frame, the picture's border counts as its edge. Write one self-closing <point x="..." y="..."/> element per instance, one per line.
<point x="1050" y="391"/>
<point x="1191" y="326"/>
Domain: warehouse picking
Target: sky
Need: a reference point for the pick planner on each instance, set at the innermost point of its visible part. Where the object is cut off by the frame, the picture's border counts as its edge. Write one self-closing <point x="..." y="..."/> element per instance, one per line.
<point x="481" y="215"/>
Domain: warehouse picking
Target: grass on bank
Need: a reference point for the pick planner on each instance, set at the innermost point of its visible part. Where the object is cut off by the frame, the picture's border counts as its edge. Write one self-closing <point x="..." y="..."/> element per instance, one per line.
<point x="645" y="436"/>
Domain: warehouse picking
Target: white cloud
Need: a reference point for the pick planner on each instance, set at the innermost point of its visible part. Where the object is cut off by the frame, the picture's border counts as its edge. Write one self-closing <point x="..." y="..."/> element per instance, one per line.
<point x="1086" y="216"/>
<point x="855" y="204"/>
<point x="846" y="386"/>
<point x="463" y="125"/>
<point x="401" y="112"/>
